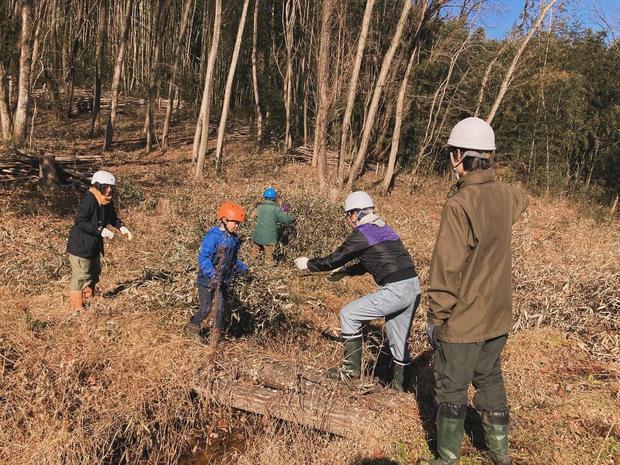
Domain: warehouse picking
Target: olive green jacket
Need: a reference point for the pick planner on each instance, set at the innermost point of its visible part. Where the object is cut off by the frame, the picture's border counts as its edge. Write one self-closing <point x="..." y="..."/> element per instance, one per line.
<point x="470" y="287"/>
<point x="268" y="216"/>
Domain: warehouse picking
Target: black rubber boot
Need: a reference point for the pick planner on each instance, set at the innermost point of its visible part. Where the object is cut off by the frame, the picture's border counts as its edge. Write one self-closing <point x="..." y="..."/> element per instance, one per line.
<point x="495" y="426"/>
<point x="398" y="376"/>
<point x="450" y="428"/>
<point x="352" y="362"/>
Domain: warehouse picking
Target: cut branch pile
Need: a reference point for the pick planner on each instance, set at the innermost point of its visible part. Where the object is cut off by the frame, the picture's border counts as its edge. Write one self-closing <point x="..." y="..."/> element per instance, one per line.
<point x="21" y="166"/>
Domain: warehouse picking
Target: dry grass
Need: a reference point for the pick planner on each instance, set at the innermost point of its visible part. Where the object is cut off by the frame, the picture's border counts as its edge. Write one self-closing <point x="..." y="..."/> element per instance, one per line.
<point x="113" y="384"/>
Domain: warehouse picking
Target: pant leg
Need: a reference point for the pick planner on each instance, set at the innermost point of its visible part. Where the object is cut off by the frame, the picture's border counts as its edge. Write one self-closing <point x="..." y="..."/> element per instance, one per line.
<point x="488" y="380"/>
<point x="219" y="319"/>
<point x="398" y="325"/>
<point x="95" y="270"/>
<point x="205" y="297"/>
<point x="80" y="272"/>
<point x="269" y="250"/>
<point x="379" y="304"/>
<point x="453" y="367"/>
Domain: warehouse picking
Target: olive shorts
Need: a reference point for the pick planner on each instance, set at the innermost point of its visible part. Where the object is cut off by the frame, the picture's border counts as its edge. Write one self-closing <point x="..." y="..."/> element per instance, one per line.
<point x="84" y="271"/>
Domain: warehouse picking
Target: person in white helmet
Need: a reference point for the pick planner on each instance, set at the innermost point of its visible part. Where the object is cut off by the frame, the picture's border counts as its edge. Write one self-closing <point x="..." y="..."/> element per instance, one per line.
<point x="380" y="252"/>
<point x="95" y="214"/>
<point x="470" y="295"/>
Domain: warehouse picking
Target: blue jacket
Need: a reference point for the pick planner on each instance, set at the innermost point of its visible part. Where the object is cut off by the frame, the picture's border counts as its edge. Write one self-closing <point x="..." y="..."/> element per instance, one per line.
<point x="218" y="256"/>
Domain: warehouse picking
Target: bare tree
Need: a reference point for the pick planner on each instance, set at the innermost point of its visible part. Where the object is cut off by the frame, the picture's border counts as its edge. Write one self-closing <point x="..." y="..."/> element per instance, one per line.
<point x="25" y="60"/>
<point x="346" y="120"/>
<point x="162" y="7"/>
<point x="172" y="86"/>
<point x="101" y="39"/>
<point x="116" y="77"/>
<point x="5" y="109"/>
<point x="374" y="105"/>
<point x="202" y="126"/>
<point x="227" y="92"/>
<point x="257" y="110"/>
<point x="544" y="9"/>
<point x="319" y="155"/>
<point x="289" y="19"/>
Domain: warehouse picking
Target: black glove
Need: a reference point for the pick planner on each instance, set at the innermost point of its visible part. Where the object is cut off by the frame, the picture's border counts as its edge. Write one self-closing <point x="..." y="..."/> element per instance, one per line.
<point x="431" y="334"/>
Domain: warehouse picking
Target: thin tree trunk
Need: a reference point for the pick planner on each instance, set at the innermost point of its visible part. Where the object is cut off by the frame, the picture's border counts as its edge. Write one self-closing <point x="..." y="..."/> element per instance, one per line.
<point x="400" y="109"/>
<point x="73" y="48"/>
<point x="172" y="86"/>
<point x="5" y="109"/>
<point x="515" y="61"/>
<point x="202" y="126"/>
<point x="162" y="7"/>
<point x="227" y="92"/>
<point x="374" y="105"/>
<point x="289" y="26"/>
<point x="116" y="77"/>
<point x="101" y="38"/>
<point x="319" y="154"/>
<point x="25" y="61"/>
<point x="257" y="110"/>
<point x="346" y="120"/>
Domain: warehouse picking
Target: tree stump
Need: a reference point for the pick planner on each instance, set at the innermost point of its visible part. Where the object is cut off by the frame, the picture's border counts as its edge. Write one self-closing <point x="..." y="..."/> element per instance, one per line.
<point x="48" y="173"/>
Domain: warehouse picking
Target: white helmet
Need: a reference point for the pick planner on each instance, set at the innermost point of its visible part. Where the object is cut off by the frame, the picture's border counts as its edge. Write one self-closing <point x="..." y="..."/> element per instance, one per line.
<point x="103" y="177"/>
<point x="472" y="133"/>
<point x="358" y="200"/>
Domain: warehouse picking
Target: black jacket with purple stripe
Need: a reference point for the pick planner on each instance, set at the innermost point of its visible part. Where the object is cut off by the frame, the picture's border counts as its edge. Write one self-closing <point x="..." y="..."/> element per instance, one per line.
<point x="379" y="250"/>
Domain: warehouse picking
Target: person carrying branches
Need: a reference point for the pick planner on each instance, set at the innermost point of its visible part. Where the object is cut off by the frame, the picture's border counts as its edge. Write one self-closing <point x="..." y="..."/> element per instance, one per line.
<point x="269" y="215"/>
<point x="218" y="264"/>
<point x="381" y="253"/>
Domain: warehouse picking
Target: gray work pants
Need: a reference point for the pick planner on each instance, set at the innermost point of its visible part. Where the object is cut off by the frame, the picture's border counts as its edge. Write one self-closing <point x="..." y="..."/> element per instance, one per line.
<point x="397" y="303"/>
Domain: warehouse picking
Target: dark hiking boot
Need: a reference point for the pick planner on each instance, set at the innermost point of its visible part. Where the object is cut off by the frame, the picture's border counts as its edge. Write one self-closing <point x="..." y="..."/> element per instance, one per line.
<point x="495" y="424"/>
<point x="351" y="367"/>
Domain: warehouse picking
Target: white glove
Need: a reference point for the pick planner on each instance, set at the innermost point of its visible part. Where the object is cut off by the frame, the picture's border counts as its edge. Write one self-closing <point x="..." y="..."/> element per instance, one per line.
<point x="337" y="274"/>
<point x="126" y="232"/>
<point x="301" y="263"/>
<point x="105" y="232"/>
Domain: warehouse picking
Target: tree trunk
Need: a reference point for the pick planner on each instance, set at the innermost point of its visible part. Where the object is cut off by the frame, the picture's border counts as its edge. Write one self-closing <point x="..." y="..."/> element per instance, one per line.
<point x="515" y="61"/>
<point x="25" y="61"/>
<point x="101" y="38"/>
<point x="73" y="48"/>
<point x="319" y="156"/>
<point x="162" y="7"/>
<point x="172" y="87"/>
<point x="202" y="126"/>
<point x="289" y="26"/>
<point x="374" y="105"/>
<point x="400" y="109"/>
<point x="257" y="110"/>
<point x="5" y="109"/>
<point x="116" y="77"/>
<point x="227" y="92"/>
<point x="346" y="120"/>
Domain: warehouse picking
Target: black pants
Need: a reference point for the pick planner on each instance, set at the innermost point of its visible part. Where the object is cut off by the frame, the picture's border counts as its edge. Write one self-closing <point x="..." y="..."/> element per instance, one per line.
<point x="456" y="366"/>
<point x="210" y="298"/>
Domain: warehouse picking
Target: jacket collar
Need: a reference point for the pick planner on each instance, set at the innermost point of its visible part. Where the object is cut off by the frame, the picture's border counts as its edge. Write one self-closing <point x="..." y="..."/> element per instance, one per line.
<point x="268" y="202"/>
<point x="476" y="177"/>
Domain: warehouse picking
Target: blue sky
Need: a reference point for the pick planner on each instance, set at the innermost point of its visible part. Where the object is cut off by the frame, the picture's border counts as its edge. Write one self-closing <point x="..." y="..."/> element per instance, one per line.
<point x="498" y="16"/>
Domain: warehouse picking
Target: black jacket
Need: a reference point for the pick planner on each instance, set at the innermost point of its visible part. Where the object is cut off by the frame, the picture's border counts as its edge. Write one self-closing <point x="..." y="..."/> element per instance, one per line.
<point x="85" y="237"/>
<point x="380" y="252"/>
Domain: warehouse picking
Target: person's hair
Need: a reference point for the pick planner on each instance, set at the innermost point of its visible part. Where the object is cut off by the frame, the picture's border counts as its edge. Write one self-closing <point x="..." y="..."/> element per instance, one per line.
<point x="476" y="164"/>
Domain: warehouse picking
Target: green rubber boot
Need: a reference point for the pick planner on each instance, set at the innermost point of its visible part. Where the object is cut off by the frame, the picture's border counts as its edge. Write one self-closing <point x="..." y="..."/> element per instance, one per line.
<point x="450" y="428"/>
<point x="495" y="426"/>
<point x="352" y="362"/>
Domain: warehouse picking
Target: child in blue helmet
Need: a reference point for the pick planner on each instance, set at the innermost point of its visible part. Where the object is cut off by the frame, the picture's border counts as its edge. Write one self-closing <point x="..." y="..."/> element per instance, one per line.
<point x="268" y="216"/>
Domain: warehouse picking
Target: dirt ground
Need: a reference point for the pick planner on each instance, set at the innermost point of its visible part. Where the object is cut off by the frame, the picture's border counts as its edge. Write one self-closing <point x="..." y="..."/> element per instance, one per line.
<point x="113" y="383"/>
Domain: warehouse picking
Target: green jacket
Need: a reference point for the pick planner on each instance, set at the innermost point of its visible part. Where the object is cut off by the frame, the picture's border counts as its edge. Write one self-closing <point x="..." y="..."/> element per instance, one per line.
<point x="470" y="288"/>
<point x="268" y="216"/>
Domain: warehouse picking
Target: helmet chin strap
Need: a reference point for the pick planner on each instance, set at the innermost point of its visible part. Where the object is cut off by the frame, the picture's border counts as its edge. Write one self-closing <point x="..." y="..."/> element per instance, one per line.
<point x="454" y="165"/>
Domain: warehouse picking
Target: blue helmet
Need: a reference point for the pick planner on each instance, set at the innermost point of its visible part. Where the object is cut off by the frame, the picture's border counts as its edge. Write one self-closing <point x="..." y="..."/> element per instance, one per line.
<point x="270" y="193"/>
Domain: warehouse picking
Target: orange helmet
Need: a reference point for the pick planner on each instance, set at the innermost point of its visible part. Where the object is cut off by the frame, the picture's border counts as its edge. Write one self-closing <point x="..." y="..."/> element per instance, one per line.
<point x="231" y="211"/>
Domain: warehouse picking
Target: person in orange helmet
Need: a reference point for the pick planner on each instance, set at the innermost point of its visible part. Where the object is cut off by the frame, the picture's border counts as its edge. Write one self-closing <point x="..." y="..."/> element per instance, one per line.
<point x="218" y="263"/>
